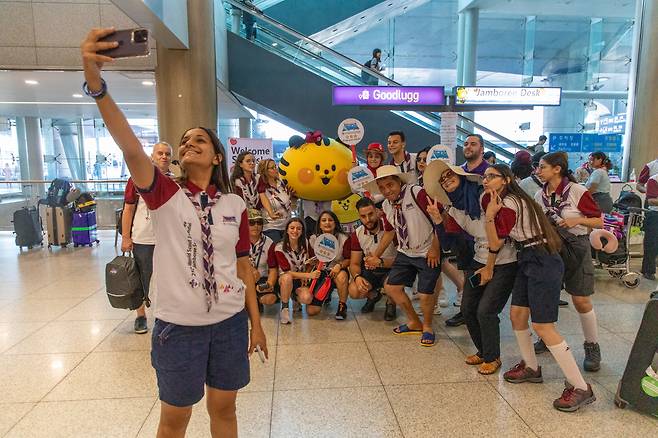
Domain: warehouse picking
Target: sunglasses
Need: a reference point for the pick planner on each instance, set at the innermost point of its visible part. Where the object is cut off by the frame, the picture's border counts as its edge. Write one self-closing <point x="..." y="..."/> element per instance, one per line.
<point x="446" y="176"/>
<point x="255" y="222"/>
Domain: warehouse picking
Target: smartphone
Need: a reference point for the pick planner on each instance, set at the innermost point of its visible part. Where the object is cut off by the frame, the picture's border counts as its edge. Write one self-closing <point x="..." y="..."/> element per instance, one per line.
<point x="474" y="280"/>
<point x="260" y="353"/>
<point x="133" y="43"/>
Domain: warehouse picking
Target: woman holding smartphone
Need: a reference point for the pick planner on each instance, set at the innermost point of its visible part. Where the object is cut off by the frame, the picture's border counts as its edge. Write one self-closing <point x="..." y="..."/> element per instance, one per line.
<point x="275" y="198"/>
<point x="201" y="335"/>
<point x="491" y="275"/>
<point x="293" y="255"/>
<point x="512" y="214"/>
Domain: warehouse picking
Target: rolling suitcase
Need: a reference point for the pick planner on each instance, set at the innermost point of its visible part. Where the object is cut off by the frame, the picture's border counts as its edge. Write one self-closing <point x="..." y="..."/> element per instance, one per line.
<point x="639" y="383"/>
<point x="27" y="227"/>
<point x="58" y="226"/>
<point x="83" y="228"/>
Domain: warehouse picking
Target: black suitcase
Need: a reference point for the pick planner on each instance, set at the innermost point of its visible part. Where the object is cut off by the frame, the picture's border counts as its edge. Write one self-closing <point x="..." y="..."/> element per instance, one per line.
<point x="638" y="386"/>
<point x="27" y="227"/>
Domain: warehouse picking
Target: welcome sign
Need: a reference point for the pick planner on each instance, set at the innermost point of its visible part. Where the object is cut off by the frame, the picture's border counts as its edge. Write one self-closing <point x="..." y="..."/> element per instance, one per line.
<point x="513" y="96"/>
<point x="388" y="96"/>
<point x="259" y="147"/>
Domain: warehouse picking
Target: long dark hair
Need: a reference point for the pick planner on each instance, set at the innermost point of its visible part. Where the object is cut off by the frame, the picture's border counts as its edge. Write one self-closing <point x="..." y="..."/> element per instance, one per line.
<point x="303" y="243"/>
<point x="219" y="175"/>
<point x="560" y="159"/>
<point x="237" y="170"/>
<point x="539" y="224"/>
<point x="598" y="155"/>
<point x="338" y="230"/>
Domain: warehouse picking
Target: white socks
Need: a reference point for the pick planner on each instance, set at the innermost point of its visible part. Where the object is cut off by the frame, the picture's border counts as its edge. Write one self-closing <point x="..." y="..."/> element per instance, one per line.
<point x="590" y="327"/>
<point x="524" y="339"/>
<point x="564" y="357"/>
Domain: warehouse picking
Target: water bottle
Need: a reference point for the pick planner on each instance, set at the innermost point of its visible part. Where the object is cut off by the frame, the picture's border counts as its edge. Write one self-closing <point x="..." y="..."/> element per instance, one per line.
<point x="632" y="177"/>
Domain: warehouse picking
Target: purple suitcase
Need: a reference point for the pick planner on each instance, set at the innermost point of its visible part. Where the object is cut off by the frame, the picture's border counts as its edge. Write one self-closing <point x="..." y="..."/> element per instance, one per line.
<point x="83" y="228"/>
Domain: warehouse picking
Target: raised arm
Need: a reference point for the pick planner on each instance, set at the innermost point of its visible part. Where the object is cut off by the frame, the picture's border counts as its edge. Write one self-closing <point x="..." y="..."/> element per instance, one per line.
<point x="141" y="168"/>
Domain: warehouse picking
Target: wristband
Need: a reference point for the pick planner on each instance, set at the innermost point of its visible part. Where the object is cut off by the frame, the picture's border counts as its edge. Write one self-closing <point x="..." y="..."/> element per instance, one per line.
<point x="95" y="94"/>
<point x="356" y="276"/>
<point x="491" y="251"/>
<point x="381" y="262"/>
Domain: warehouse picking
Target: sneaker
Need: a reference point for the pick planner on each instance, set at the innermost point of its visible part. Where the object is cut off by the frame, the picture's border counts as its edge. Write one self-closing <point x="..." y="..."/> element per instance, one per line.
<point x="456" y="320"/>
<point x="437" y="309"/>
<point x="573" y="399"/>
<point x="458" y="301"/>
<point x="520" y="373"/>
<point x="296" y="306"/>
<point x="592" y="360"/>
<point x="443" y="298"/>
<point x="369" y="306"/>
<point x="285" y="316"/>
<point x="540" y="347"/>
<point x="140" y="325"/>
<point x="391" y="311"/>
<point x="341" y="313"/>
<point x="563" y="303"/>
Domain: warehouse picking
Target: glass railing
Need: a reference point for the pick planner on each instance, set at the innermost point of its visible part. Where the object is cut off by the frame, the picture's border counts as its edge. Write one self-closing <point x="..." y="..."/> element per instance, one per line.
<point x="307" y="53"/>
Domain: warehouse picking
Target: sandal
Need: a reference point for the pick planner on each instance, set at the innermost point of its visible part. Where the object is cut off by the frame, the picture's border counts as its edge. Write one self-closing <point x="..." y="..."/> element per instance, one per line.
<point x="428" y="339"/>
<point x="487" y="368"/>
<point x="473" y="359"/>
<point x="405" y="330"/>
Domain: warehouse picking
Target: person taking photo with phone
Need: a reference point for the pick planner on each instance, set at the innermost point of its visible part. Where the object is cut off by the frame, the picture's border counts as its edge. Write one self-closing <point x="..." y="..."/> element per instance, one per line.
<point x="202" y="279"/>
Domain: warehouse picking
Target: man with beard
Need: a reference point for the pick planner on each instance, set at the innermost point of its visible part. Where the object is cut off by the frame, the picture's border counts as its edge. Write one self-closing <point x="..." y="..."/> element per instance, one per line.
<point x="474" y="155"/>
<point x="368" y="280"/>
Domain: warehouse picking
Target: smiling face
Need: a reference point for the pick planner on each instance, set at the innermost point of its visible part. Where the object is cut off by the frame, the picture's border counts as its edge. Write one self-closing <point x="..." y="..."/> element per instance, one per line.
<point x="472" y="148"/>
<point x="161" y="156"/>
<point x="248" y="164"/>
<point x="374" y="159"/>
<point x="327" y="223"/>
<point x="449" y="180"/>
<point x="294" y="231"/>
<point x="197" y="151"/>
<point x="395" y="144"/>
<point x="390" y="187"/>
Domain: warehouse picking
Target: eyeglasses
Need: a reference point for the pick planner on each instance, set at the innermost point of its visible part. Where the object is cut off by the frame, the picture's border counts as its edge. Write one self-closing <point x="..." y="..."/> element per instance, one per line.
<point x="446" y="176"/>
<point x="492" y="176"/>
<point x="255" y="222"/>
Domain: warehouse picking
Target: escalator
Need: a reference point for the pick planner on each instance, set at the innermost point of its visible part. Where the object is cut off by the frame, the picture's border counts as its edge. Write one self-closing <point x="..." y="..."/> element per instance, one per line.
<point x="289" y="77"/>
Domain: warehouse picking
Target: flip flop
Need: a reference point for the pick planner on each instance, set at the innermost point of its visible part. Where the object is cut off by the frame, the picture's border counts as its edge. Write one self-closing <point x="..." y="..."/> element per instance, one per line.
<point x="405" y="330"/>
<point x="427" y="339"/>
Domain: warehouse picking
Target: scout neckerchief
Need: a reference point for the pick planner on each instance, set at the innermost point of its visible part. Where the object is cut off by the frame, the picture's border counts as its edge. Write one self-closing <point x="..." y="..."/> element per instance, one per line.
<point x="559" y="199"/>
<point x="400" y="221"/>
<point x="249" y="192"/>
<point x="405" y="165"/>
<point x="205" y="218"/>
<point x="256" y="251"/>
<point x="297" y="258"/>
<point x="274" y="193"/>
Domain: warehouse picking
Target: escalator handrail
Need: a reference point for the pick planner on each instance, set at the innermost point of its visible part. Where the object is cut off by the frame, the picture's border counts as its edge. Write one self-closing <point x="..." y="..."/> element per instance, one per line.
<point x="492" y="133"/>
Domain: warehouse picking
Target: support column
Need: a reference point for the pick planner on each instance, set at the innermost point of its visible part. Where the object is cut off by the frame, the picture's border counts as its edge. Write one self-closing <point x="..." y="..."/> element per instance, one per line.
<point x="245" y="127"/>
<point x="471" y="23"/>
<point x="236" y="15"/>
<point x="460" y="49"/>
<point x="641" y="127"/>
<point x="185" y="79"/>
<point x="22" y="154"/>
<point x="34" y="153"/>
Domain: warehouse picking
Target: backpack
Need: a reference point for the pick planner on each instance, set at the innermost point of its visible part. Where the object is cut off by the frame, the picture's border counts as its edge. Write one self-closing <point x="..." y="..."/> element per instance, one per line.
<point x="57" y="192"/>
<point x="85" y="202"/>
<point x="123" y="283"/>
<point x="365" y="77"/>
<point x="627" y="198"/>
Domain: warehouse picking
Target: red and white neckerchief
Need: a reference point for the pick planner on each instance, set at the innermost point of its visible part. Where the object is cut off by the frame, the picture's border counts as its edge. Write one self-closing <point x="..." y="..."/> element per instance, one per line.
<point x="249" y="192"/>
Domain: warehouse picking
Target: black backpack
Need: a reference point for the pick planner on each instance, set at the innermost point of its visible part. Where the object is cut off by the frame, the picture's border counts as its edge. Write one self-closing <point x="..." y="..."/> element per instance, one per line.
<point x="85" y="202"/>
<point x="365" y="77"/>
<point x="57" y="192"/>
<point x="123" y="283"/>
<point x="627" y="198"/>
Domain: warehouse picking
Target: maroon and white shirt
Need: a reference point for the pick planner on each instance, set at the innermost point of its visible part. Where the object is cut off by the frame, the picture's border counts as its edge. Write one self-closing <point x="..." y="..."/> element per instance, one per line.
<point x="261" y="255"/>
<point x="365" y="241"/>
<point x="289" y="260"/>
<point x="650" y="169"/>
<point x="142" y="230"/>
<point x="281" y="202"/>
<point x="420" y="228"/>
<point x="407" y="165"/>
<point x="177" y="290"/>
<point x="248" y="190"/>
<point x="578" y="202"/>
<point x="513" y="219"/>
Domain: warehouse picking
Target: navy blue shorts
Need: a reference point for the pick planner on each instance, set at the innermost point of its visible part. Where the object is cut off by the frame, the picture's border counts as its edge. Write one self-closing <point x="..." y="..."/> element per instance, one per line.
<point x="404" y="271"/>
<point x="538" y="284"/>
<point x="186" y="358"/>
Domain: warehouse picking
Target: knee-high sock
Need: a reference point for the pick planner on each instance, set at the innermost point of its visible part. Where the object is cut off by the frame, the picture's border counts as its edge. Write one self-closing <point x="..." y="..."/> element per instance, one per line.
<point x="564" y="357"/>
<point x="590" y="327"/>
<point x="524" y="339"/>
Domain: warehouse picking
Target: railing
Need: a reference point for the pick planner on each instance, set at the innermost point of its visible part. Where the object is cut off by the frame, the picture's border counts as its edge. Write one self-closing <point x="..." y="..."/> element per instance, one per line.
<point x="33" y="189"/>
<point x="339" y="69"/>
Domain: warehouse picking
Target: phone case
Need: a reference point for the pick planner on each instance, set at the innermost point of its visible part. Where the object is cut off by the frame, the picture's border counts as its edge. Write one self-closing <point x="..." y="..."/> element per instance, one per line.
<point x="128" y="46"/>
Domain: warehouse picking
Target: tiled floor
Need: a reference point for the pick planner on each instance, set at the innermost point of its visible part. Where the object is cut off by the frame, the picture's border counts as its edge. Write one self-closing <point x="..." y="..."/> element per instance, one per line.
<point x="70" y="366"/>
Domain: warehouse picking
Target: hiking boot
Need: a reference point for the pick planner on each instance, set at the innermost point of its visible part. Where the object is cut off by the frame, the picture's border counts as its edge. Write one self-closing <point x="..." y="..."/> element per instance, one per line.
<point x="520" y="373"/>
<point x="140" y="325"/>
<point x="540" y="347"/>
<point x="369" y="305"/>
<point x="456" y="320"/>
<point x="391" y="312"/>
<point x="592" y="360"/>
<point x="573" y="399"/>
<point x="341" y="313"/>
<point x="285" y="316"/>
